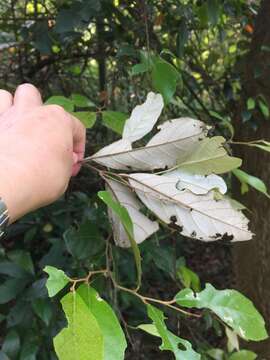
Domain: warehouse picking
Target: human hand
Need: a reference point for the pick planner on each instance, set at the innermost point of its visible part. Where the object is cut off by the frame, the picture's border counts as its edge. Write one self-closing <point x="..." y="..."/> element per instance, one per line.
<point x="41" y="147"/>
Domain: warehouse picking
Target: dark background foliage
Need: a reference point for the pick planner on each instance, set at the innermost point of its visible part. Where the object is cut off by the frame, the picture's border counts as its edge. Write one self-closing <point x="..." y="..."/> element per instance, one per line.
<point x="93" y="48"/>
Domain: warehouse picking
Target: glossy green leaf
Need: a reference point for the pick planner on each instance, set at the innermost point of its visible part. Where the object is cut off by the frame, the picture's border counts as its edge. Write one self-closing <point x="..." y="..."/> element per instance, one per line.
<point x="165" y="78"/>
<point x="253" y="181"/>
<point x="181" y="348"/>
<point x="114" y="338"/>
<point x="232" y="307"/>
<point x="123" y="215"/>
<point x="210" y="157"/>
<point x="114" y="120"/>
<point x="88" y="118"/>
<point x="57" y="280"/>
<point x="60" y="100"/>
<point x="81" y="101"/>
<point x="82" y="338"/>
<point x="243" y="355"/>
<point x="84" y="242"/>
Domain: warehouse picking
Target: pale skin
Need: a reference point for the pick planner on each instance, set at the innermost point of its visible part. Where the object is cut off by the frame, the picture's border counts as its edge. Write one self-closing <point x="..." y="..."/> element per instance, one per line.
<point x="41" y="147"/>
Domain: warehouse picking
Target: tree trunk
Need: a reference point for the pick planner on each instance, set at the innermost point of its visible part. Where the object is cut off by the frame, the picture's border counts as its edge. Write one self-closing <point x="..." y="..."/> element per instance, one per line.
<point x="252" y="259"/>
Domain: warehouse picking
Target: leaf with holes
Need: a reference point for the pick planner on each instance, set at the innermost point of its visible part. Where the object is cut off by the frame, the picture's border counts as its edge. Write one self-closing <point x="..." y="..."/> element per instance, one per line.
<point x="232" y="307"/>
<point x="202" y="217"/>
<point x="57" y="280"/>
<point x="198" y="184"/>
<point x="181" y="348"/>
<point x="82" y="338"/>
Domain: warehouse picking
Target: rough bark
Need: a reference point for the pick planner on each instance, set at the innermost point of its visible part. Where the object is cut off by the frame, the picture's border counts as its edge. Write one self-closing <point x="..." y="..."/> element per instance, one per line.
<point x="252" y="259"/>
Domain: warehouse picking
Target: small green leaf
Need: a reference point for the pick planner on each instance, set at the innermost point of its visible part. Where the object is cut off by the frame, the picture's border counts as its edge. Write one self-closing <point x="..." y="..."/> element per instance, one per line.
<point x="88" y="118"/>
<point x="264" y="109"/>
<point x="261" y="144"/>
<point x="81" y="101"/>
<point x="165" y="78"/>
<point x="251" y="104"/>
<point x="232" y="307"/>
<point x="57" y="280"/>
<point x="139" y="69"/>
<point x="189" y="278"/>
<point x="181" y="348"/>
<point x="210" y="157"/>
<point x="253" y="181"/>
<point x="114" y="120"/>
<point x="60" y="100"/>
<point x="243" y="355"/>
<point x="114" y="338"/>
<point x="216" y="354"/>
<point x="82" y="338"/>
<point x="123" y="215"/>
<point x="29" y="351"/>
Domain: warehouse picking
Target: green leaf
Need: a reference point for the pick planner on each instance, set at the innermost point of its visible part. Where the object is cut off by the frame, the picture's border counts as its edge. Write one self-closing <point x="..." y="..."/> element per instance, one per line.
<point x="84" y="242"/>
<point x="216" y="354"/>
<point x="29" y="351"/>
<point x="251" y="104"/>
<point x="60" y="100"/>
<point x="189" y="278"/>
<point x="114" y="120"/>
<point x="11" y="288"/>
<point x="114" y="338"/>
<point x="81" y="101"/>
<point x="243" y="355"/>
<point x="57" y="280"/>
<point x="43" y="309"/>
<point x="82" y="338"/>
<point x="213" y="11"/>
<point x="11" y="344"/>
<point x="123" y="215"/>
<point x="264" y="109"/>
<point x="139" y="69"/>
<point x="232" y="307"/>
<point x="23" y="259"/>
<point x="210" y="157"/>
<point x="88" y="118"/>
<point x="181" y="348"/>
<point x="253" y="181"/>
<point x="165" y="78"/>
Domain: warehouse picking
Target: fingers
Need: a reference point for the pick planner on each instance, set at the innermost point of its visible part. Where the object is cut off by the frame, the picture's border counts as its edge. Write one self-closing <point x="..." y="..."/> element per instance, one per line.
<point x="79" y="135"/>
<point x="27" y="96"/>
<point x="6" y="100"/>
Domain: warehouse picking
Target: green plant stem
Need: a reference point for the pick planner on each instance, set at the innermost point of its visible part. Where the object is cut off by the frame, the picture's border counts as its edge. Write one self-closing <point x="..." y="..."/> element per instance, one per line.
<point x="144" y="299"/>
